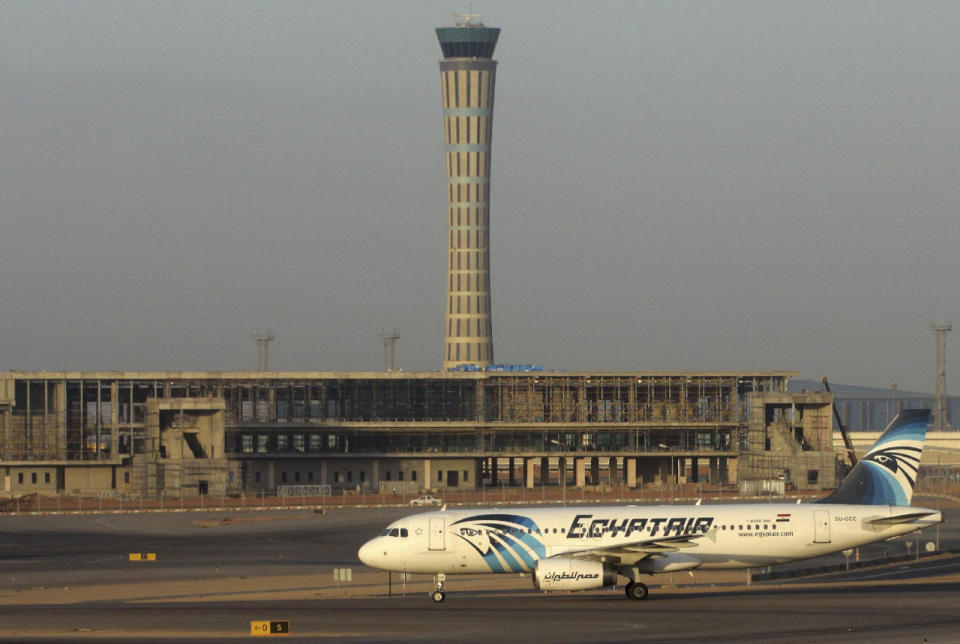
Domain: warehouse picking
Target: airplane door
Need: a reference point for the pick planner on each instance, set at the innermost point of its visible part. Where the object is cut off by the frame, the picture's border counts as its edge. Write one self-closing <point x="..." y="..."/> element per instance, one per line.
<point x="821" y="526"/>
<point x="436" y="533"/>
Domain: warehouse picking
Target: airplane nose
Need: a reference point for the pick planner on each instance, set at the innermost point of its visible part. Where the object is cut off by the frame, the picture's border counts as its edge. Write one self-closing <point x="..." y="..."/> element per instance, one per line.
<point x="366" y="554"/>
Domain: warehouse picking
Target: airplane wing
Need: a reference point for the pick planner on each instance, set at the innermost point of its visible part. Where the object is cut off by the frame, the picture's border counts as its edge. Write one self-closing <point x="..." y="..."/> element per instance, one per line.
<point x="630" y="553"/>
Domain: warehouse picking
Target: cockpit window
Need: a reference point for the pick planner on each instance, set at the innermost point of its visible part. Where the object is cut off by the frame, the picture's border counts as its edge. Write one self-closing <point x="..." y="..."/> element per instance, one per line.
<point x="404" y="533"/>
<point x="385" y="532"/>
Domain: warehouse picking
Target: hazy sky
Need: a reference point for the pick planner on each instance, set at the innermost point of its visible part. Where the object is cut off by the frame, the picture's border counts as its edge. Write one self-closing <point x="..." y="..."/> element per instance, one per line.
<point x="676" y="185"/>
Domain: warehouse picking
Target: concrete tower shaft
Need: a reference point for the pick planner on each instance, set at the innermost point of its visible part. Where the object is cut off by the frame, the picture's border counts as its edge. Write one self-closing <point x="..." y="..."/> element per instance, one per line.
<point x="467" y="80"/>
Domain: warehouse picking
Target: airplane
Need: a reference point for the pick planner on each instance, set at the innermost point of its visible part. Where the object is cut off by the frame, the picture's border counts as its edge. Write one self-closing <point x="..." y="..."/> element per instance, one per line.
<point x="589" y="547"/>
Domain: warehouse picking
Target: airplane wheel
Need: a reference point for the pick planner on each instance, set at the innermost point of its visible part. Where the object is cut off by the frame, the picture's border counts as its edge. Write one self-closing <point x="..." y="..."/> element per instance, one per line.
<point x="637" y="591"/>
<point x="438" y="596"/>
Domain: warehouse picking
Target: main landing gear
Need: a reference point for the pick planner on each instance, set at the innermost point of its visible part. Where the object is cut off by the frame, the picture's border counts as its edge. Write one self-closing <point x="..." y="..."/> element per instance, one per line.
<point x="438" y="595"/>
<point x="636" y="590"/>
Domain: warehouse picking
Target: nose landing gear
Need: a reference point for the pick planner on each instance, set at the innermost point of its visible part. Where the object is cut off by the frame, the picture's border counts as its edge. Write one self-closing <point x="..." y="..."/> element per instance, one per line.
<point x="438" y="595"/>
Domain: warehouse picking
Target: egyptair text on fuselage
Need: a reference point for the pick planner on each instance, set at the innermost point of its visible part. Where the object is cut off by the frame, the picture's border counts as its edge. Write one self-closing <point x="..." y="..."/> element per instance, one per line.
<point x="584" y="526"/>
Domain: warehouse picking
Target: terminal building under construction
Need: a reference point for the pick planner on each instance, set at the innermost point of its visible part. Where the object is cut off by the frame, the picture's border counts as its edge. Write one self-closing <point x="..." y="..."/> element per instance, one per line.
<point x="195" y="433"/>
<point x="187" y="433"/>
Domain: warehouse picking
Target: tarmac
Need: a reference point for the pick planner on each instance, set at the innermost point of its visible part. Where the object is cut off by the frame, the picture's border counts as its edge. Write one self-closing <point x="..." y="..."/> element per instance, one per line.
<point x="66" y="577"/>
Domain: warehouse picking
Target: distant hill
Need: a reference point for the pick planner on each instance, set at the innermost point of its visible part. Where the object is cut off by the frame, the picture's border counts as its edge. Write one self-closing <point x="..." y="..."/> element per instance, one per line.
<point x="841" y="390"/>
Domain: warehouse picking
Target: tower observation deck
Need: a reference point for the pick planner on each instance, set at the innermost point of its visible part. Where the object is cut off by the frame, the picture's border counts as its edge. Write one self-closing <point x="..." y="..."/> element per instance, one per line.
<point x="467" y="79"/>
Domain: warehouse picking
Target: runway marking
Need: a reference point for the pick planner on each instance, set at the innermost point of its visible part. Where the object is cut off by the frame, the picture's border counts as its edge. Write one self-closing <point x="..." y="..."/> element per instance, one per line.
<point x="103" y="560"/>
<point x="925" y="571"/>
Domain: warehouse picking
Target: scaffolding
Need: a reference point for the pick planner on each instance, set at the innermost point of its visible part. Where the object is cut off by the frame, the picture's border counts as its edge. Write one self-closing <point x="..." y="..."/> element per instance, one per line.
<point x="117" y="420"/>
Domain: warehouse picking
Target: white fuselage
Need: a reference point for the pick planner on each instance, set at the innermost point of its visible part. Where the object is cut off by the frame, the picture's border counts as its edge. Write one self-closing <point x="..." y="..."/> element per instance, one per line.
<point x="485" y="540"/>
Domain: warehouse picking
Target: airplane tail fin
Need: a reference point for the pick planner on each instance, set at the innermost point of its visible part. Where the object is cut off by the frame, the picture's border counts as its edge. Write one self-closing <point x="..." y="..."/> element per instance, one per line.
<point x="888" y="472"/>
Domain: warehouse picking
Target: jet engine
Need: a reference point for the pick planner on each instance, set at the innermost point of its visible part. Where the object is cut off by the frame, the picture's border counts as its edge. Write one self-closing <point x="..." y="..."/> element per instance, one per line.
<point x="572" y="574"/>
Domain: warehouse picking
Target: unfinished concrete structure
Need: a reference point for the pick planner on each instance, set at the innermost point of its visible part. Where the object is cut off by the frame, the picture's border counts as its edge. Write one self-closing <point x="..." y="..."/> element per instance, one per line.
<point x="94" y="432"/>
<point x="189" y="433"/>
<point x="467" y="79"/>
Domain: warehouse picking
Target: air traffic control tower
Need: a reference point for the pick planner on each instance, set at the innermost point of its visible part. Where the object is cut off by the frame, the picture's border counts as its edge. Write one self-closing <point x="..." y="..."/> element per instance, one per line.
<point x="467" y="79"/>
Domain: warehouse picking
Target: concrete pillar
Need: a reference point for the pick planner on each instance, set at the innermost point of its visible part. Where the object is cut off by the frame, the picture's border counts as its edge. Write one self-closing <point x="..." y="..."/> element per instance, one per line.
<point x="562" y="471"/>
<point x="613" y="472"/>
<point x="728" y="470"/>
<point x="665" y="468"/>
<point x="580" y="471"/>
<point x="271" y="475"/>
<point x="375" y="473"/>
<point x="714" y="470"/>
<point x="61" y="394"/>
<point x="114" y="416"/>
<point x="324" y="474"/>
<point x="594" y="471"/>
<point x="529" y="471"/>
<point x="630" y="465"/>
<point x="427" y="475"/>
<point x="513" y="472"/>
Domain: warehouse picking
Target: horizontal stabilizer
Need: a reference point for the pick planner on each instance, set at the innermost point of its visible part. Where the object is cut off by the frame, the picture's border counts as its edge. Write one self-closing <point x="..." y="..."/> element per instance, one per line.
<point x="900" y="518"/>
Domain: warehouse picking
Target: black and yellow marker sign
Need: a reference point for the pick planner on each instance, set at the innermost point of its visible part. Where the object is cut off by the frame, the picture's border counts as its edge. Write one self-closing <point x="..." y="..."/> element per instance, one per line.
<point x="143" y="556"/>
<point x="266" y="629"/>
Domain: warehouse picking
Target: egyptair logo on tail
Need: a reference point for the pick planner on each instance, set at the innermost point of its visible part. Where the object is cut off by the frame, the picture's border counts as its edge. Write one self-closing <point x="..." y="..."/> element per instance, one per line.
<point x="903" y="461"/>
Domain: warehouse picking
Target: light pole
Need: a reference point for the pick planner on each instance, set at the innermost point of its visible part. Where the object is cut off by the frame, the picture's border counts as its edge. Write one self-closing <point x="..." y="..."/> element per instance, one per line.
<point x="939" y="499"/>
